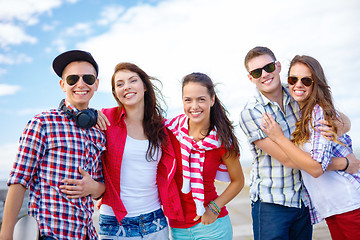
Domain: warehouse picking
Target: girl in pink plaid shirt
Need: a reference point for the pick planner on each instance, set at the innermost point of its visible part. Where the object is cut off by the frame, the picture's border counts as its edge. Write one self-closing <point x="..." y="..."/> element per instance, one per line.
<point x="334" y="195"/>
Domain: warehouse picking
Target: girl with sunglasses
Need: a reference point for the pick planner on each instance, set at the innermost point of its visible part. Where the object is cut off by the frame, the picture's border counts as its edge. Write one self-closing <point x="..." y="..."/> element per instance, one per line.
<point x="334" y="195"/>
<point x="205" y="145"/>
<point x="138" y="163"/>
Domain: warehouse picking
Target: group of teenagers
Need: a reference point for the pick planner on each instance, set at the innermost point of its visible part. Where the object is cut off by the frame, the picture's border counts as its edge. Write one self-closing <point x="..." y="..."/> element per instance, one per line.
<point x="155" y="177"/>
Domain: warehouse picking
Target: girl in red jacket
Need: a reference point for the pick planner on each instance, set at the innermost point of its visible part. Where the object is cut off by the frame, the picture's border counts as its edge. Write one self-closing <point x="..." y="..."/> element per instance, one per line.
<point x="138" y="164"/>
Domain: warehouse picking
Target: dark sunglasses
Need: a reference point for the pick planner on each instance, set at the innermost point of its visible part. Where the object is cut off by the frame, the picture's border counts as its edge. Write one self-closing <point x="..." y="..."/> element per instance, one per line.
<point x="269" y="68"/>
<point x="87" y="78"/>
<point x="305" y="80"/>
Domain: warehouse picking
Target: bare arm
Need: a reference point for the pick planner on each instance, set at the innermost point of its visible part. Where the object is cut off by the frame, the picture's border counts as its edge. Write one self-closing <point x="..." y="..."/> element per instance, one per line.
<point x="237" y="183"/>
<point x="13" y="203"/>
<point x="340" y="163"/>
<point x="84" y="187"/>
<point x="295" y="154"/>
<point x="271" y="148"/>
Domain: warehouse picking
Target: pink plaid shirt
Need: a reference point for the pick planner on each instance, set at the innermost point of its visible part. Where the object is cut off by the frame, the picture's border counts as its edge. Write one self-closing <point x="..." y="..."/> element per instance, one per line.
<point x="51" y="149"/>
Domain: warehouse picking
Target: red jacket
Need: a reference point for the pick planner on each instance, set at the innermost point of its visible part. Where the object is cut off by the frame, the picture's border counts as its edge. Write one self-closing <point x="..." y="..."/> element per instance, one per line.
<point x="115" y="142"/>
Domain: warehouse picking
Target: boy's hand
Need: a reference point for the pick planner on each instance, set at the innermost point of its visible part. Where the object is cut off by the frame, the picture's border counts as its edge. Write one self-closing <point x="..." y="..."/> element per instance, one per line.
<point x="102" y="121"/>
<point x="78" y="188"/>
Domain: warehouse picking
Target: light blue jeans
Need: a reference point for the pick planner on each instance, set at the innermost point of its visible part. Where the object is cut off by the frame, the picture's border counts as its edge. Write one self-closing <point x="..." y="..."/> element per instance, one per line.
<point x="221" y="229"/>
<point x="146" y="226"/>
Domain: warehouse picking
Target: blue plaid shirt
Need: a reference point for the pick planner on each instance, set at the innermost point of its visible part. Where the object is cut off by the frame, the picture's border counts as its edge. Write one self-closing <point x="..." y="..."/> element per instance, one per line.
<point x="271" y="181"/>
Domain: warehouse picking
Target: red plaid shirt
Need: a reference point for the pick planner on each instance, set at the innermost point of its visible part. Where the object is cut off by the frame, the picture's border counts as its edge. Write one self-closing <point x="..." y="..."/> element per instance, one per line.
<point x="51" y="149"/>
<point x="112" y="158"/>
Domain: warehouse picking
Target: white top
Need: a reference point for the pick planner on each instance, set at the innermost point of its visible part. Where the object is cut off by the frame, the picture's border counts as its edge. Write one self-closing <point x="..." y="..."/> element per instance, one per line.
<point x="138" y="187"/>
<point x="331" y="193"/>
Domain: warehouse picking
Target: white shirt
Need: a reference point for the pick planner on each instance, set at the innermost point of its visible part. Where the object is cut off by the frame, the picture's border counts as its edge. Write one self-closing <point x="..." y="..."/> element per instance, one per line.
<point x="138" y="187"/>
<point x="331" y="193"/>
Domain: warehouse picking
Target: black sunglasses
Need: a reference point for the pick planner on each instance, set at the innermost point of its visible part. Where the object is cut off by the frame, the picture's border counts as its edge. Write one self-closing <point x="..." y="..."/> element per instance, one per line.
<point x="305" y="80"/>
<point x="87" y="78"/>
<point x="269" y="68"/>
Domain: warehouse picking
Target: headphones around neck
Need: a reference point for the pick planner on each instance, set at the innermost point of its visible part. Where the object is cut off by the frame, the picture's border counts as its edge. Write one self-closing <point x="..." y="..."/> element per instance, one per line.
<point x="85" y="118"/>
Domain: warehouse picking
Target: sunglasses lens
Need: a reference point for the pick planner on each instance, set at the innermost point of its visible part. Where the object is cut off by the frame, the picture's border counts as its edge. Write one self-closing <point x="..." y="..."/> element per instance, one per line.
<point x="269" y="68"/>
<point x="89" y="79"/>
<point x="256" y="73"/>
<point x="72" y="79"/>
<point x="307" y="81"/>
<point x="292" y="80"/>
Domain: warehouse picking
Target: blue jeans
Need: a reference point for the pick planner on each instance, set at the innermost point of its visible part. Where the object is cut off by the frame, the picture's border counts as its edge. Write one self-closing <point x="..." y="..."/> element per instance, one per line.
<point x="274" y="221"/>
<point x="139" y="227"/>
<point x="221" y="229"/>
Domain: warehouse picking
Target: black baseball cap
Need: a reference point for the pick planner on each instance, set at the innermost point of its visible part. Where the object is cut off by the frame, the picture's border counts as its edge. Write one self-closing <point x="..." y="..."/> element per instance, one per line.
<point x="61" y="61"/>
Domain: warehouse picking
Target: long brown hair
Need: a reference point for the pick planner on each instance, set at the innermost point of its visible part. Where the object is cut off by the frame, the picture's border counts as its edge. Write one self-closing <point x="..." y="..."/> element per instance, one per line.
<point x="321" y="95"/>
<point x="218" y="114"/>
<point x="153" y="113"/>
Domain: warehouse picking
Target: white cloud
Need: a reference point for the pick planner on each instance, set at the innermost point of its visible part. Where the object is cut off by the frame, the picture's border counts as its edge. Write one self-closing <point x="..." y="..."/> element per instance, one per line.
<point x="6" y="89"/>
<point x="11" y="59"/>
<point x="110" y="14"/>
<point x="79" y="29"/>
<point x="59" y="44"/>
<point x="25" y="11"/>
<point x="13" y="35"/>
<point x="2" y="71"/>
<point x="49" y="27"/>
<point x="16" y="15"/>
<point x="176" y="37"/>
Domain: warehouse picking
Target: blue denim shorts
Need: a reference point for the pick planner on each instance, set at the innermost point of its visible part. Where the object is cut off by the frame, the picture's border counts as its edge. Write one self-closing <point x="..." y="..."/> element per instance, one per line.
<point x="138" y="227"/>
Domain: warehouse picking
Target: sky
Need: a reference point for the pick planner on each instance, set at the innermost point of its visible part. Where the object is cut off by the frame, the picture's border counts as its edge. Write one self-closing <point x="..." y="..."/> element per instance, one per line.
<point x="169" y="39"/>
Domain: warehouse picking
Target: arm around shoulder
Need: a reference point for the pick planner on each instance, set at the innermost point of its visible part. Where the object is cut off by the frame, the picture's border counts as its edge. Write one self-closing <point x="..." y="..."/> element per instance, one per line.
<point x="345" y="125"/>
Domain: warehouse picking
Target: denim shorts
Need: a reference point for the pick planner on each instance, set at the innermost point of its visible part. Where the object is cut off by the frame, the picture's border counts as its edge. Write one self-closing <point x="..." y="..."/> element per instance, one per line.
<point x="145" y="226"/>
<point x="221" y="229"/>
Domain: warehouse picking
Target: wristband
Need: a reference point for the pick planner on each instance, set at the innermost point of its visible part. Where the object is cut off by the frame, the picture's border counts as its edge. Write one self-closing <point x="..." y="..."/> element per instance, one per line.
<point x="215" y="212"/>
<point x="347" y="164"/>
<point x="216" y="206"/>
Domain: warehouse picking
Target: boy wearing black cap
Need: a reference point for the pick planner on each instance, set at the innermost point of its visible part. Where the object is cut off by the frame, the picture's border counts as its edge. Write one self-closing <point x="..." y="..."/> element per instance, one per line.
<point x="56" y="145"/>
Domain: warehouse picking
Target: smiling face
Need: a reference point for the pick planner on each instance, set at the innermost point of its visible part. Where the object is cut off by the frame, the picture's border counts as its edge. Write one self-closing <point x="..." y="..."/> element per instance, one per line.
<point x="129" y="88"/>
<point x="80" y="93"/>
<point x="267" y="83"/>
<point x="299" y="91"/>
<point x="197" y="103"/>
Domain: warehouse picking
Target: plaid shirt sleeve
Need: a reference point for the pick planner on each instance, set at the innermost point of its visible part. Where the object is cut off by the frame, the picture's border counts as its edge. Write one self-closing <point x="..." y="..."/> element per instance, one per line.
<point x="321" y="147"/>
<point x="31" y="151"/>
<point x="342" y="151"/>
<point x="250" y="120"/>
